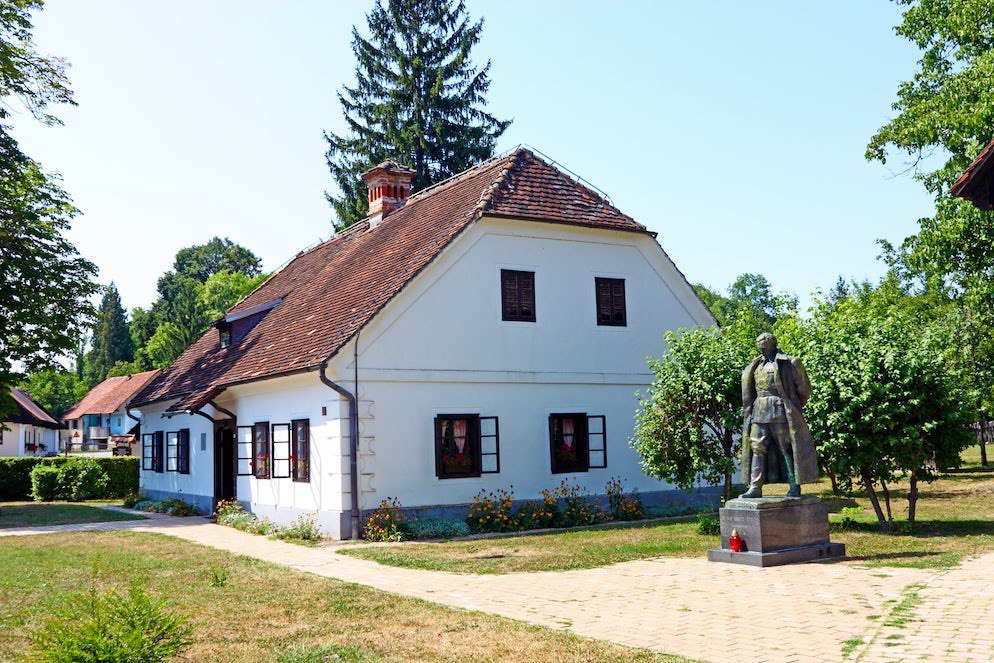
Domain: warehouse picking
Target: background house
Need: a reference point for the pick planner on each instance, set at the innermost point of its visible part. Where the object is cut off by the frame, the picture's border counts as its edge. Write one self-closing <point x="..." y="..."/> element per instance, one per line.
<point x="488" y="332"/>
<point x="31" y="431"/>
<point x="100" y="421"/>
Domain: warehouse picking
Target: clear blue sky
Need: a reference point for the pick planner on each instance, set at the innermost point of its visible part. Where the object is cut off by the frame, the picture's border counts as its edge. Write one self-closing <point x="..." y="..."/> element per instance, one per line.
<point x="735" y="130"/>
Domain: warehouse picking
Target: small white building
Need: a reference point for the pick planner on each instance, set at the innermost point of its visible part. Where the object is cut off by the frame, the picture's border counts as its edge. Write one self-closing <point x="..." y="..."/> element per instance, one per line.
<point x="487" y="332"/>
<point x="100" y="421"/>
<point x="30" y="430"/>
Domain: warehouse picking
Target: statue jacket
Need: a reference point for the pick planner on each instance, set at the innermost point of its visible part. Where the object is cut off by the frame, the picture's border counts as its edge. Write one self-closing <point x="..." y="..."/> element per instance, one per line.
<point x="795" y="388"/>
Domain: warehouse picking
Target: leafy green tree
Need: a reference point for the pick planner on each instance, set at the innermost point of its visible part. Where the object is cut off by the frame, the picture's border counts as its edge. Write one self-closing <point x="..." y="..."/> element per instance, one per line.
<point x="44" y="283"/>
<point x="167" y="343"/>
<point x="55" y="389"/>
<point x="886" y="401"/>
<point x="417" y="99"/>
<point x="201" y="261"/>
<point x="689" y="422"/>
<point x="944" y="116"/>
<point x="747" y="291"/>
<point x="224" y="289"/>
<point x="111" y="338"/>
<point x="36" y="80"/>
<point x="204" y="278"/>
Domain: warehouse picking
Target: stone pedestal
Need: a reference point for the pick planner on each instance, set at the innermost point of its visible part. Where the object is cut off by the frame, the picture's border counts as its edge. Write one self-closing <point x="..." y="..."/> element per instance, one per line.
<point x="775" y="531"/>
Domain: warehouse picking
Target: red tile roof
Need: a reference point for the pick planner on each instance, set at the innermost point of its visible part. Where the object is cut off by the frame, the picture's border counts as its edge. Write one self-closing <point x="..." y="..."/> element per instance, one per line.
<point x="329" y="292"/>
<point x="980" y="172"/>
<point x="110" y="395"/>
<point x="29" y="411"/>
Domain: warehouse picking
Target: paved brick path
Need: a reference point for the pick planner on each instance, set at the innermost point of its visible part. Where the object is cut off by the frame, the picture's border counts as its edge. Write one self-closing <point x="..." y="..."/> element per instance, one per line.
<point x="686" y="606"/>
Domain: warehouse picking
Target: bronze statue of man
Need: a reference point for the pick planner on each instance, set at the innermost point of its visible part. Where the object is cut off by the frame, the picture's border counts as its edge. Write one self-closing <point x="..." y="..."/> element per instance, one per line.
<point x="776" y="441"/>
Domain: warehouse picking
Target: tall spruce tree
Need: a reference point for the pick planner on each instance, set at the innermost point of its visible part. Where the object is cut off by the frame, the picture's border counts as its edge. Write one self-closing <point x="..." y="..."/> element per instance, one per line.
<point x="418" y="99"/>
<point x="111" y="338"/>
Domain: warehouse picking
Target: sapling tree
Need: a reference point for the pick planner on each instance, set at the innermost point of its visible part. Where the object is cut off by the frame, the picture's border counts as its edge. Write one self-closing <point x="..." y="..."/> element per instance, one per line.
<point x="689" y="422"/>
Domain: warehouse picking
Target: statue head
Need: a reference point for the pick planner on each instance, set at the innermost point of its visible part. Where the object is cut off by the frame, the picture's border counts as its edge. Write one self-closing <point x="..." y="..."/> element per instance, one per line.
<point x="767" y="343"/>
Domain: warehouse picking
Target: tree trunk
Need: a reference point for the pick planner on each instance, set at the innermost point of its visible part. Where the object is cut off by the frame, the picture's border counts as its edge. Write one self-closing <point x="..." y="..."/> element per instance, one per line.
<point x="912" y="499"/>
<point x="871" y="493"/>
<point x="982" y="441"/>
<point x="886" y="492"/>
<point x="834" y="480"/>
<point x="726" y="493"/>
<point x="726" y="447"/>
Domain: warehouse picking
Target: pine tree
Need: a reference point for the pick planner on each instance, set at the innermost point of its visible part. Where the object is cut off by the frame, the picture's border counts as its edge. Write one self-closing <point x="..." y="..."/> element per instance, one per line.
<point x="111" y="338"/>
<point x="417" y="100"/>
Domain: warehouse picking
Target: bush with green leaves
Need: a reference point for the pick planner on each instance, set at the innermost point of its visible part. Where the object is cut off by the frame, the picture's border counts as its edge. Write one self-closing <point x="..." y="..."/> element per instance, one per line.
<point x="81" y="479"/>
<point x="689" y="423"/>
<point x="15" y="475"/>
<point x="434" y="528"/>
<point x="708" y="524"/>
<point x="112" y="626"/>
<point x="44" y="483"/>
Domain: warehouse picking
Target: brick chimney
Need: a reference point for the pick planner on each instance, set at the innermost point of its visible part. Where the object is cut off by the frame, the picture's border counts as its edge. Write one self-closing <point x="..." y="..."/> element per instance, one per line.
<point x="389" y="185"/>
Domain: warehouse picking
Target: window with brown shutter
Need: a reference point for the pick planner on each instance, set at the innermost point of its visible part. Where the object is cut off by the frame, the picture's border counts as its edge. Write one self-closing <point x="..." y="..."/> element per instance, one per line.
<point x="610" y="302"/>
<point x="517" y="295"/>
<point x="261" y="454"/>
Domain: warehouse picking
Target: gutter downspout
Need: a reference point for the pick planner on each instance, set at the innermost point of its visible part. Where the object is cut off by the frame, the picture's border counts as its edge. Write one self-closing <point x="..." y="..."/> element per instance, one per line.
<point x="353" y="445"/>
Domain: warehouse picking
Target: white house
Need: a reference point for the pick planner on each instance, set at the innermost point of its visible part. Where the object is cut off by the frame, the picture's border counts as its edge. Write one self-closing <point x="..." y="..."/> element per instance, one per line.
<point x="489" y="331"/>
<point x="100" y="420"/>
<point x="30" y="430"/>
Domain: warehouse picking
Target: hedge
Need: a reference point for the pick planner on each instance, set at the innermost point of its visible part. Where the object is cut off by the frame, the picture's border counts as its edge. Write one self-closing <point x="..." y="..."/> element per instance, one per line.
<point x="15" y="475"/>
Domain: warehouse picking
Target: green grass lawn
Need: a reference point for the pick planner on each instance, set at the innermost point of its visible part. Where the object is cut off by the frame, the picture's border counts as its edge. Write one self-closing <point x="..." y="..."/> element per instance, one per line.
<point x="264" y="612"/>
<point x="955" y="519"/>
<point x="36" y="514"/>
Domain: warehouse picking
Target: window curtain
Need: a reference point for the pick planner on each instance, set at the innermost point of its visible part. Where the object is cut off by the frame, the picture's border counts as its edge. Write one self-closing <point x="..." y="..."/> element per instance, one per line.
<point x="459" y="427"/>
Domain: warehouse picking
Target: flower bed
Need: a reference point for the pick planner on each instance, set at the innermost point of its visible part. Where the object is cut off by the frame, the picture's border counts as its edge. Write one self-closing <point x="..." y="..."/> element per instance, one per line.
<point x="567" y="505"/>
<point x="172" y="506"/>
<point x="303" y="529"/>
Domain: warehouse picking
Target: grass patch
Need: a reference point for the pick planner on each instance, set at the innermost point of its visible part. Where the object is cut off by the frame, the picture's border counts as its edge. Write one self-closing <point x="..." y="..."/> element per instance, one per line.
<point x="955" y="520"/>
<point x="559" y="551"/>
<point x="850" y="645"/>
<point x="262" y="611"/>
<point x="37" y="514"/>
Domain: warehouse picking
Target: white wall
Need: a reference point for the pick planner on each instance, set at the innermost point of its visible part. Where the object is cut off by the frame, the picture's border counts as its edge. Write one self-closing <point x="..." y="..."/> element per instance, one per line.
<point x="200" y="481"/>
<point x="12" y="440"/>
<point x="441" y="348"/>
<point x="17" y="435"/>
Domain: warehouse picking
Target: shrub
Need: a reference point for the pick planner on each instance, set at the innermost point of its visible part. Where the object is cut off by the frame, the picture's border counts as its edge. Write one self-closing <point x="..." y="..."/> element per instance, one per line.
<point x="44" y="483"/>
<point x="492" y="511"/>
<point x="131" y="500"/>
<point x="670" y="510"/>
<point x="385" y="523"/>
<point x="708" y="524"/>
<point x="238" y="520"/>
<point x="175" y="506"/>
<point x="434" y="528"/>
<point x="172" y="506"/>
<point x="303" y="528"/>
<point x="15" y="475"/>
<point x="81" y="479"/>
<point x="622" y="506"/>
<point x="262" y="526"/>
<point x="112" y="627"/>
<point x="227" y="507"/>
<point x="577" y="507"/>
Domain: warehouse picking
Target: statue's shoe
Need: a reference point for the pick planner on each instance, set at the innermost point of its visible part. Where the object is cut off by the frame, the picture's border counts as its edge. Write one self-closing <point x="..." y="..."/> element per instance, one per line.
<point x="795" y="491"/>
<point x="755" y="491"/>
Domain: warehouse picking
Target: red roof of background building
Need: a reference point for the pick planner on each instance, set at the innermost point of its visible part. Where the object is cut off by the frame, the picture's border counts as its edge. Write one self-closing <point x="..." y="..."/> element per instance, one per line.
<point x="327" y="293"/>
<point x="110" y="395"/>
<point x="29" y="411"/>
<point x="980" y="172"/>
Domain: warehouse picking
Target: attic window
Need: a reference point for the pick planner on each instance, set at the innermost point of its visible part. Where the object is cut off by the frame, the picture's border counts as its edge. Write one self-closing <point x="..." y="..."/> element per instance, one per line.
<point x="224" y="330"/>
